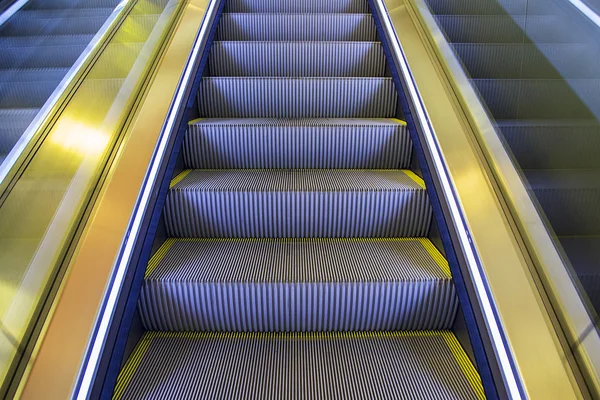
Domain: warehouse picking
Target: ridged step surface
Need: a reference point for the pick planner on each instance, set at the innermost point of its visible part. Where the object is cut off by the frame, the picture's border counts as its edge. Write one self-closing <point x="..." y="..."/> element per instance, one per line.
<point x="297" y="204"/>
<point x="553" y="144"/>
<point x="297" y="97"/>
<point x="570" y="199"/>
<point x="584" y="255"/>
<point x="297" y="143"/>
<point x="339" y="59"/>
<point x="13" y="123"/>
<point x="297" y="27"/>
<point x="541" y="98"/>
<point x="297" y="285"/>
<point x="507" y="29"/>
<point x="424" y="365"/>
<point x="296" y="7"/>
<point x="69" y="4"/>
<point x="53" y="40"/>
<point x="509" y="60"/>
<point x="491" y="7"/>
<point x="40" y="56"/>
<point x="67" y="22"/>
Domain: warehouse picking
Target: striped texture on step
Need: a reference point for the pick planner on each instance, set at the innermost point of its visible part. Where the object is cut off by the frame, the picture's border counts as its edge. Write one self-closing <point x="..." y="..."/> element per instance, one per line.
<point x="344" y="59"/>
<point x="399" y="365"/>
<point x="297" y="27"/>
<point x="297" y="143"/>
<point x="297" y="204"/>
<point x="297" y="98"/>
<point x="294" y="6"/>
<point x="297" y="285"/>
<point x="14" y="122"/>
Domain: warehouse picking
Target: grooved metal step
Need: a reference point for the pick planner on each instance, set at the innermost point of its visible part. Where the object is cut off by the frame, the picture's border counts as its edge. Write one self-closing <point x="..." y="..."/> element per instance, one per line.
<point x="40" y="57"/>
<point x="44" y="41"/>
<point x="551" y="144"/>
<point x="297" y="204"/>
<point x="297" y="27"/>
<point x="427" y="365"/>
<point x="492" y="7"/>
<point x="509" y="60"/>
<point x="69" y="4"/>
<point x="507" y="29"/>
<point x="64" y="22"/>
<point x="13" y="123"/>
<point x="297" y="286"/>
<point x="584" y="254"/>
<point x="320" y="59"/>
<point x="569" y="199"/>
<point x="297" y="97"/>
<point x="541" y="98"/>
<point x="26" y="94"/>
<point x="297" y="143"/>
<point x="296" y="7"/>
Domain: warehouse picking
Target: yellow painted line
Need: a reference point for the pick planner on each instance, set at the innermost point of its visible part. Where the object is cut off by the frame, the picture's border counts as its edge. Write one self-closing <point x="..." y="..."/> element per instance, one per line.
<point x="296" y="335"/>
<point x="158" y="256"/>
<point x="414" y="177"/>
<point x="401" y="122"/>
<point x="195" y="121"/>
<point x="436" y="255"/>
<point x="465" y="364"/>
<point x="179" y="178"/>
<point x="131" y="366"/>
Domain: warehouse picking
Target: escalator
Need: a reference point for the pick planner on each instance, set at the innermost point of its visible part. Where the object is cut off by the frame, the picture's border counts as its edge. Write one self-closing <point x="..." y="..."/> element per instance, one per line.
<point x="536" y="68"/>
<point x="38" y="46"/>
<point x="297" y="260"/>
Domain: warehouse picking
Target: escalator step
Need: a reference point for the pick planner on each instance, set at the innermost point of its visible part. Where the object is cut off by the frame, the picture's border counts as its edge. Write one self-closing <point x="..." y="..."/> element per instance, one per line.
<point x="297" y="143"/>
<point x="297" y="204"/>
<point x="552" y="144"/>
<point x="297" y="27"/>
<point x="584" y="254"/>
<point x="238" y="97"/>
<point x="489" y="7"/>
<point x="569" y="199"/>
<point x="69" y="4"/>
<point x="27" y="23"/>
<point x="509" y="60"/>
<point x="13" y="122"/>
<point x="339" y="59"/>
<point x="44" y="40"/>
<point x="40" y="56"/>
<point x="507" y="29"/>
<point x="541" y="98"/>
<point x="28" y="88"/>
<point x="302" y="285"/>
<point x="296" y="7"/>
<point x="426" y="365"/>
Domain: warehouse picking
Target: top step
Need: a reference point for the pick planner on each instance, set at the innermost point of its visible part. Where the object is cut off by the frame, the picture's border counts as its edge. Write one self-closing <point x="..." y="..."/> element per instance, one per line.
<point x="293" y="6"/>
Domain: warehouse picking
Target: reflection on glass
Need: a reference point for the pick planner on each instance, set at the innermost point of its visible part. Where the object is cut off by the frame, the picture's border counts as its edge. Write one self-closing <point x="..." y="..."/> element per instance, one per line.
<point x="40" y="214"/>
<point x="536" y="65"/>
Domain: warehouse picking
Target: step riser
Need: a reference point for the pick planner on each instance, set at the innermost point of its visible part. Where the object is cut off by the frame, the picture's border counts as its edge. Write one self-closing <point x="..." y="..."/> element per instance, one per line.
<point x="551" y="147"/>
<point x="316" y="27"/>
<point x="297" y="214"/>
<point x="492" y="7"/>
<point x="12" y="128"/>
<point x="256" y="146"/>
<point x="539" y="99"/>
<point x="297" y="307"/>
<point x="69" y="4"/>
<point x="297" y="98"/>
<point x="25" y="94"/>
<point x="571" y="211"/>
<point x="293" y="6"/>
<point x="297" y="59"/>
<point x="42" y="57"/>
<point x="55" y="26"/>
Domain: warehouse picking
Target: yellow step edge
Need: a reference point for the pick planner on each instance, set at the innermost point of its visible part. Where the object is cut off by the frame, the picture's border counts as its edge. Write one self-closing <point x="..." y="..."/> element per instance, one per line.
<point x="436" y="255"/>
<point x="132" y="364"/>
<point x="159" y="255"/>
<point x="414" y="177"/>
<point x="179" y="177"/>
<point x="465" y="364"/>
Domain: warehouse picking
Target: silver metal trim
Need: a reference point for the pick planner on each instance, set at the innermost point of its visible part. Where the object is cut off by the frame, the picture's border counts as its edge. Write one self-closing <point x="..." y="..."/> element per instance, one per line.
<point x="26" y="142"/>
<point x="493" y="323"/>
<point x="551" y="267"/>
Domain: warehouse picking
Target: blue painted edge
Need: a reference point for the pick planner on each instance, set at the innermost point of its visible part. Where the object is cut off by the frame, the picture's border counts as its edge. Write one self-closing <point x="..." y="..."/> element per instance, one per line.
<point x="112" y="356"/>
<point x="483" y="365"/>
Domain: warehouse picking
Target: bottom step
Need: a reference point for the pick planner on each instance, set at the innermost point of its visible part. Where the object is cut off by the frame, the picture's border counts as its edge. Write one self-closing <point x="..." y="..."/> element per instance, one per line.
<point x="395" y="365"/>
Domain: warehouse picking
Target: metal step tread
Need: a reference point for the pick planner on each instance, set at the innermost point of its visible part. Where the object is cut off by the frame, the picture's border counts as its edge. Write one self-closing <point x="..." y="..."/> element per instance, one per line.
<point x="297" y="143"/>
<point x="563" y="179"/>
<point x="297" y="58"/>
<point x="293" y="6"/>
<point x="45" y="40"/>
<point x="32" y="74"/>
<point x="307" y="180"/>
<point x="297" y="261"/>
<point x="398" y="365"/>
<point x="297" y="97"/>
<point x="304" y="27"/>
